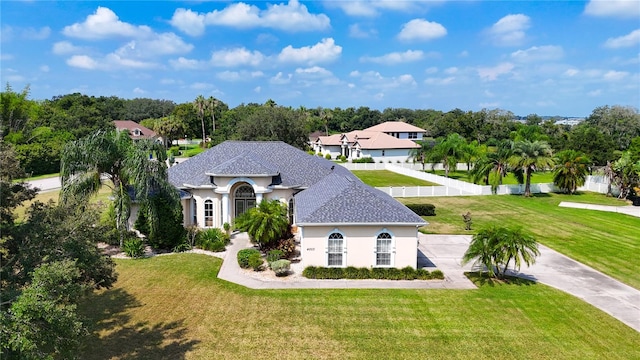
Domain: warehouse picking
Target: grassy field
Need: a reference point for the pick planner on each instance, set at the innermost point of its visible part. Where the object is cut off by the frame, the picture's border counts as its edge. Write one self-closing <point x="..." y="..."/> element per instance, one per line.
<point x="379" y="178"/>
<point x="608" y="242"/>
<point x="45" y="197"/>
<point x="39" y="177"/>
<point x="536" y="178"/>
<point x="174" y="307"/>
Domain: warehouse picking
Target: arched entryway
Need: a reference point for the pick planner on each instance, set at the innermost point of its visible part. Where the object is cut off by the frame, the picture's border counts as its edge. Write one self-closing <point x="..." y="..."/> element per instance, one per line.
<point x="244" y="198"/>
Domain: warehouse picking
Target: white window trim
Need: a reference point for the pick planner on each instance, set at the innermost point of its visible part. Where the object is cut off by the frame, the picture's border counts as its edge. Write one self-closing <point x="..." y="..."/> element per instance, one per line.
<point x="344" y="248"/>
<point x="393" y="249"/>
<point x="204" y="213"/>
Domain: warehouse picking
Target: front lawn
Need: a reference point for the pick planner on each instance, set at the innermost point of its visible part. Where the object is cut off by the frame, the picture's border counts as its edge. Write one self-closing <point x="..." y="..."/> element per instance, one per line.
<point x="608" y="242"/>
<point x="380" y="178"/>
<point x="536" y="177"/>
<point x="174" y="307"/>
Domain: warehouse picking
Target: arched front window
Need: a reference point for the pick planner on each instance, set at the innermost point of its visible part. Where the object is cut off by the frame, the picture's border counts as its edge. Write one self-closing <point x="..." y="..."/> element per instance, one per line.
<point x="208" y="213"/>
<point x="244" y="199"/>
<point x="335" y="250"/>
<point x="383" y="249"/>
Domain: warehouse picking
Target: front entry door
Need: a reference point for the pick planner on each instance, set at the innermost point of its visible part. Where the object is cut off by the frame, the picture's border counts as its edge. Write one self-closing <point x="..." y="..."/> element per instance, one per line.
<point x="245" y="199"/>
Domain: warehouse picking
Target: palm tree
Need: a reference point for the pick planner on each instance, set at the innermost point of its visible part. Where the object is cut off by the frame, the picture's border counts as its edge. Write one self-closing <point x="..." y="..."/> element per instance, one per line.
<point x="571" y="170"/>
<point x="530" y="156"/>
<point x="113" y="155"/>
<point x="493" y="166"/>
<point x="200" y="104"/>
<point x="495" y="247"/>
<point x="212" y="104"/>
<point x="421" y="153"/>
<point x="448" y="151"/>
<point x="266" y="223"/>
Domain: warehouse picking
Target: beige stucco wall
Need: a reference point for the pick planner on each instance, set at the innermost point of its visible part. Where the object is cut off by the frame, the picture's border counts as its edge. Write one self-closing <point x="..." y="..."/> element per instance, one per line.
<point x="360" y="243"/>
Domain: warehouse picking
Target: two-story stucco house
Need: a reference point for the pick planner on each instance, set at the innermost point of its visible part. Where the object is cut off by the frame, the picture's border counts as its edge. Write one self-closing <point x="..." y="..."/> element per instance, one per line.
<point x="341" y="221"/>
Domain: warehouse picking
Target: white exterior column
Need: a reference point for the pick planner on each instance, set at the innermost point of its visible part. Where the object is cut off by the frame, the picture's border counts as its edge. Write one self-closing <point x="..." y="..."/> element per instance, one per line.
<point x="258" y="198"/>
<point x="225" y="208"/>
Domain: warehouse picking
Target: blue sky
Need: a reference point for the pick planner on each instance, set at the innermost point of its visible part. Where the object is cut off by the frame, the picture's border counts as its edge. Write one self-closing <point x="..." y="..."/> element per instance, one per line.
<point x="544" y="57"/>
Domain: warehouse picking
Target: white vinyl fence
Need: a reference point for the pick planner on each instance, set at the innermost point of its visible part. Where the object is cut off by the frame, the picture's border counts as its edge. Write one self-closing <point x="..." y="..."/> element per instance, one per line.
<point x="452" y="187"/>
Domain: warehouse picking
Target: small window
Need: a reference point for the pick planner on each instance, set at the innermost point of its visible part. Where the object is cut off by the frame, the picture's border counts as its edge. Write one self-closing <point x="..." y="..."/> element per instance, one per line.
<point x="290" y="210"/>
<point x="413" y="135"/>
<point x="208" y="213"/>
<point x="383" y="249"/>
<point x="335" y="250"/>
<point x="382" y="152"/>
<point x="195" y="212"/>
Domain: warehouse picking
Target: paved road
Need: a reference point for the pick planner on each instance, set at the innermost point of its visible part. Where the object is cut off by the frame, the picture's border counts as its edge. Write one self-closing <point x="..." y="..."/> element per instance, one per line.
<point x="629" y="210"/>
<point x="48" y="184"/>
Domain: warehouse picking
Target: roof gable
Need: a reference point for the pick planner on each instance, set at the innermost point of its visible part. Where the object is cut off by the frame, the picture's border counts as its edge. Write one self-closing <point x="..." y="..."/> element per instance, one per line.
<point x="395" y="126"/>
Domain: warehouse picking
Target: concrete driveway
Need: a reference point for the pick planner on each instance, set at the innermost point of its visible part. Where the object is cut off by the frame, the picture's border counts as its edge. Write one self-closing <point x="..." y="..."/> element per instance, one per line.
<point x="551" y="268"/>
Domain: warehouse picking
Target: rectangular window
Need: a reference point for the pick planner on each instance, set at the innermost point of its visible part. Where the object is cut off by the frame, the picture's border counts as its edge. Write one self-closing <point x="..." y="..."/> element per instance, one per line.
<point x="382" y="152"/>
<point x="383" y="252"/>
<point x="208" y="213"/>
<point x="335" y="252"/>
<point x="413" y="135"/>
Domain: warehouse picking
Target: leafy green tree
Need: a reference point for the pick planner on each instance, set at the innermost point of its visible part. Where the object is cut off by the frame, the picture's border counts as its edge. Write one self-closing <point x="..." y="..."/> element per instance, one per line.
<point x="494" y="165"/>
<point x="591" y="141"/>
<point x="421" y="154"/>
<point x="200" y="104"/>
<point x="626" y="174"/>
<point x="172" y="232"/>
<point x="266" y="224"/>
<point x="448" y="151"/>
<point x="571" y="170"/>
<point x="531" y="156"/>
<point x="269" y="123"/>
<point x="15" y="109"/>
<point x="495" y="247"/>
<point x="622" y="123"/>
<point x="126" y="164"/>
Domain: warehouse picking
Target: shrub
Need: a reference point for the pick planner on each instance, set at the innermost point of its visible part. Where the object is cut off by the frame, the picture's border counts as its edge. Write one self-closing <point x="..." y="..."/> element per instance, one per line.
<point x="350" y="272"/>
<point x="378" y="273"/>
<point x="243" y="257"/>
<point x="170" y="232"/>
<point x="437" y="274"/>
<point x="227" y="228"/>
<point x="364" y="160"/>
<point x="134" y="247"/>
<point x="311" y="152"/>
<point x="287" y="246"/>
<point x="364" y="273"/>
<point x="255" y="261"/>
<point x="182" y="247"/>
<point x="393" y="274"/>
<point x="328" y="156"/>
<point x="310" y="272"/>
<point x="280" y="267"/>
<point x="423" y="209"/>
<point x="274" y="255"/>
<point x="343" y="158"/>
<point x="423" y="274"/>
<point x="212" y="240"/>
<point x="408" y="273"/>
<point x="174" y="150"/>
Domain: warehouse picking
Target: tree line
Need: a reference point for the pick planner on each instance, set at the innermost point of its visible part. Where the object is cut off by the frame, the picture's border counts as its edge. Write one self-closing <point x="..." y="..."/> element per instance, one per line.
<point x="38" y="129"/>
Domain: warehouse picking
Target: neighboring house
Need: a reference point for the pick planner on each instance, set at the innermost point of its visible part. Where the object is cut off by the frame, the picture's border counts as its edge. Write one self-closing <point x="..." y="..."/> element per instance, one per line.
<point x="135" y="130"/>
<point x="341" y="221"/>
<point x="399" y="130"/>
<point x="379" y="146"/>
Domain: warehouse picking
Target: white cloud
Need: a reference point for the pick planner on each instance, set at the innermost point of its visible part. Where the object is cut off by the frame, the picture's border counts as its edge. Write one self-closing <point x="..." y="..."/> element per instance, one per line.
<point x="374" y="80"/>
<point x="233" y="76"/>
<point x="158" y="44"/>
<point x="452" y="70"/>
<point x="322" y="52"/>
<point x="315" y="71"/>
<point x="280" y="79"/>
<point x="510" y="30"/>
<point x="44" y="68"/>
<point x="292" y="16"/>
<point x="492" y="73"/>
<point x="395" y="57"/>
<point x="613" y="8"/>
<point x="440" y="81"/>
<point x="189" y="22"/>
<point x="431" y="70"/>
<point x="356" y="32"/>
<point x="36" y="34"/>
<point x="571" y="72"/>
<point x="236" y="57"/>
<point x="421" y="29"/>
<point x="138" y="90"/>
<point x="613" y="75"/>
<point x="104" y="23"/>
<point x="82" y="62"/>
<point x="371" y="8"/>
<point x="629" y="40"/>
<point x="182" y="63"/>
<point x="65" y="47"/>
<point x="200" y="86"/>
<point x="538" y="53"/>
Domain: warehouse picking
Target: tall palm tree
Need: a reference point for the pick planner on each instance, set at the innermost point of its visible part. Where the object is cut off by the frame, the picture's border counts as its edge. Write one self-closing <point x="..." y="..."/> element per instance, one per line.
<point x="200" y="105"/>
<point x="530" y="156"/>
<point x="212" y="104"/>
<point x="448" y="151"/>
<point x="571" y="170"/>
<point x="114" y="156"/>
<point x="420" y="154"/>
<point x="493" y="166"/>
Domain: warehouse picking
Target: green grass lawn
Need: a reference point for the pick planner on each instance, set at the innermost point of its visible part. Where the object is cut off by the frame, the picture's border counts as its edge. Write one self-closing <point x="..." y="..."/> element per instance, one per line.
<point x="45" y="197"/>
<point x="39" y="177"/>
<point x="174" y="307"/>
<point x="536" y="177"/>
<point x="379" y="178"/>
<point x="608" y="242"/>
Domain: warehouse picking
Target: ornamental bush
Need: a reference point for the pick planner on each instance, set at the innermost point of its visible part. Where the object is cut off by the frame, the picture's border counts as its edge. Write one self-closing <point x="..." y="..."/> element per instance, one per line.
<point x="364" y="160"/>
<point x="423" y="209"/>
<point x="255" y="261"/>
<point x="134" y="247"/>
<point x="406" y="273"/>
<point x="280" y="267"/>
<point x="243" y="257"/>
<point x="274" y="255"/>
<point x="212" y="239"/>
<point x="328" y="156"/>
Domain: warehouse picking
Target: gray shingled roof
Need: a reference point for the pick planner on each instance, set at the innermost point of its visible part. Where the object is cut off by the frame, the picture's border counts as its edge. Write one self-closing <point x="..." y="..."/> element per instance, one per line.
<point x="296" y="167"/>
<point x="337" y="199"/>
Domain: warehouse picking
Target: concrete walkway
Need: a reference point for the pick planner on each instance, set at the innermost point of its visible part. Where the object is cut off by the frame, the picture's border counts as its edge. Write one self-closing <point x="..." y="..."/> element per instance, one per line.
<point x="445" y="252"/>
<point x="629" y="209"/>
<point x="231" y="271"/>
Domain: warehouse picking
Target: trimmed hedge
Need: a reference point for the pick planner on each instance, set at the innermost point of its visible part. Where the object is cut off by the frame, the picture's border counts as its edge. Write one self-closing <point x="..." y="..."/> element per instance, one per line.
<point x="364" y="160"/>
<point x="423" y="209"/>
<point x="406" y="273"/>
<point x="243" y="257"/>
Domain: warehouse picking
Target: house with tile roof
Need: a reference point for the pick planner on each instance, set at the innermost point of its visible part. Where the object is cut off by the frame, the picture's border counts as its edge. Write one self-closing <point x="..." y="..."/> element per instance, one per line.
<point x="341" y="221"/>
<point x="386" y="142"/>
<point x="135" y="130"/>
